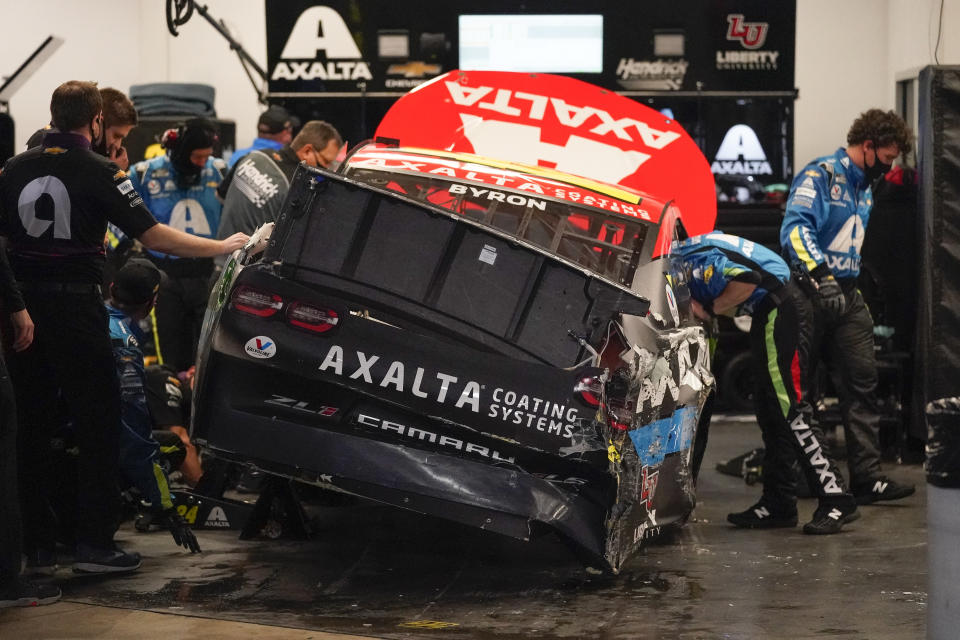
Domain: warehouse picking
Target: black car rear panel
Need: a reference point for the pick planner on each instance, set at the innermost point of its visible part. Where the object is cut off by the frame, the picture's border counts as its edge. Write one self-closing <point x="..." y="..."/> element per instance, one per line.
<point x="449" y="384"/>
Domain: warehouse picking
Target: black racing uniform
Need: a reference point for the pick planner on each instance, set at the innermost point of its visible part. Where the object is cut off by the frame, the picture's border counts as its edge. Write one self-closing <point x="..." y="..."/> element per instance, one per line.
<point x="10" y="524"/>
<point x="55" y="203"/>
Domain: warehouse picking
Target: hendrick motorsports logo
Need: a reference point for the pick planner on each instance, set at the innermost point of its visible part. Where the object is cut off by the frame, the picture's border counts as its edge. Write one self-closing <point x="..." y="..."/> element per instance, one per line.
<point x="651" y="74"/>
<point x="255" y="185"/>
<point x="260" y="347"/>
<point x="750" y="36"/>
<point x="318" y="29"/>
<point x="741" y="153"/>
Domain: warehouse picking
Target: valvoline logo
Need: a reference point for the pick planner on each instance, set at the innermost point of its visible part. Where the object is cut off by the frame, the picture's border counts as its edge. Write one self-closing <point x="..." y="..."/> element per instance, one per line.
<point x="260" y="347"/>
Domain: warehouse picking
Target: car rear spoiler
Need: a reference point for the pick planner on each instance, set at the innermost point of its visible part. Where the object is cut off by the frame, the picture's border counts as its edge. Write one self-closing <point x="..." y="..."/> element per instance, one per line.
<point x="433" y="266"/>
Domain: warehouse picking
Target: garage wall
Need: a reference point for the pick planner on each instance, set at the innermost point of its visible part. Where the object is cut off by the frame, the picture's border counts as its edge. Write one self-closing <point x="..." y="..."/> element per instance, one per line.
<point x="849" y="53"/>
<point x="123" y="42"/>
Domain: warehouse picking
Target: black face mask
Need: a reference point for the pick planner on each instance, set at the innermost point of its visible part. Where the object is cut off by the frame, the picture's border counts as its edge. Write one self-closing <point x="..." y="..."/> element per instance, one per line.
<point x="186" y="173"/>
<point x="99" y="145"/>
<point x="877" y="171"/>
<point x="195" y="134"/>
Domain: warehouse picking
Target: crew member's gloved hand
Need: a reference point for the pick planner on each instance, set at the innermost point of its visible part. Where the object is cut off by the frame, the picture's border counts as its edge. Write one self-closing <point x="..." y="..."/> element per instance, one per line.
<point x="180" y="530"/>
<point x="831" y="296"/>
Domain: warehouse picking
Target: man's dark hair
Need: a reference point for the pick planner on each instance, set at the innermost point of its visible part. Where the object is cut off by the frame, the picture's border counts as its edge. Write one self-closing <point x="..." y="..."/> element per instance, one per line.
<point x="75" y="104"/>
<point x="118" y="110"/>
<point x="317" y="133"/>
<point x="883" y="128"/>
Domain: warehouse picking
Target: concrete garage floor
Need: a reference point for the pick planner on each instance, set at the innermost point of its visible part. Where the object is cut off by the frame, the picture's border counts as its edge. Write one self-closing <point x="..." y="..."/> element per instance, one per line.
<point x="380" y="573"/>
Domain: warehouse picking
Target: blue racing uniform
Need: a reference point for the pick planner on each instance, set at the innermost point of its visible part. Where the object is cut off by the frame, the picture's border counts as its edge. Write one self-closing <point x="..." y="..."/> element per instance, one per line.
<point x="259" y="144"/>
<point x="194" y="210"/>
<point x="826" y="217"/>
<point x="183" y="294"/>
<point x="139" y="452"/>
<point x="822" y="232"/>
<point x="716" y="258"/>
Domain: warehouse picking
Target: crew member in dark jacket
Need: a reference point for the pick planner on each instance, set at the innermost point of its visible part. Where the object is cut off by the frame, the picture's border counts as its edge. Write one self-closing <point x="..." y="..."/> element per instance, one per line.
<point x="14" y="592"/>
<point x="55" y="202"/>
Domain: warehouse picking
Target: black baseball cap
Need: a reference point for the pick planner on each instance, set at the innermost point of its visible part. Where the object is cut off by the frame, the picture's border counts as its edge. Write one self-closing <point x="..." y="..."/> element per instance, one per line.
<point x="275" y="119"/>
<point x="136" y="283"/>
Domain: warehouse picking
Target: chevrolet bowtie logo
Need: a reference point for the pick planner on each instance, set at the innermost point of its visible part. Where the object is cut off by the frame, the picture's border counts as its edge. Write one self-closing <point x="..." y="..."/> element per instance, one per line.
<point x="415" y="69"/>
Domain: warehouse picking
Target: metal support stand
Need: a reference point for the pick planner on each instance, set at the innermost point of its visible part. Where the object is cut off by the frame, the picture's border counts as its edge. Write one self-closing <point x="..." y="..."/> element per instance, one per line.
<point x="277" y="512"/>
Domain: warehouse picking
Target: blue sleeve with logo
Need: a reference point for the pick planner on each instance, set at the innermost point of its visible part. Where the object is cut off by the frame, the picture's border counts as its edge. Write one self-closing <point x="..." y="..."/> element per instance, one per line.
<point x="807" y="209"/>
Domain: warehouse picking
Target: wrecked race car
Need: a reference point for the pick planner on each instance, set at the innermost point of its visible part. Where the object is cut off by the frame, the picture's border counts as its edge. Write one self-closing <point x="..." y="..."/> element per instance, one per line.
<point x="503" y="345"/>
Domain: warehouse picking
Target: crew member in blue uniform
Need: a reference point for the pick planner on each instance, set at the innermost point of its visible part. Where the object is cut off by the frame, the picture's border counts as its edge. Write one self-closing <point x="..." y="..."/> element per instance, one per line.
<point x="730" y="275"/>
<point x="132" y="295"/>
<point x="180" y="189"/>
<point x="821" y="235"/>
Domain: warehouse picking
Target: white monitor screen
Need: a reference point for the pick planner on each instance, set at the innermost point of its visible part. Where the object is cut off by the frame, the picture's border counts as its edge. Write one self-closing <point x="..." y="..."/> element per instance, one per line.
<point x="532" y="43"/>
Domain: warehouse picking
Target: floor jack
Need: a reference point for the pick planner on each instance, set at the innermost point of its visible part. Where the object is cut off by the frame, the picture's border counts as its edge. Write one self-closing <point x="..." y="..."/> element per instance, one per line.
<point x="276" y="513"/>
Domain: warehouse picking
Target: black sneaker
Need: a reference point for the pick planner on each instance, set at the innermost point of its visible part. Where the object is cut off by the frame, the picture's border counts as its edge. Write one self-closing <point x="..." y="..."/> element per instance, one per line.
<point x="95" y="560"/>
<point x="23" y="593"/>
<point x="831" y="516"/>
<point x="881" y="488"/>
<point x="41" y="562"/>
<point x="763" y="515"/>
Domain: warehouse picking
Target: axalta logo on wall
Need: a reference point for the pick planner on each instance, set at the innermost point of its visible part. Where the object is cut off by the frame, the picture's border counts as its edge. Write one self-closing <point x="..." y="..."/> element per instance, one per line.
<point x="260" y="347"/>
<point x="319" y="29"/>
<point x="751" y="36"/>
<point x="741" y="153"/>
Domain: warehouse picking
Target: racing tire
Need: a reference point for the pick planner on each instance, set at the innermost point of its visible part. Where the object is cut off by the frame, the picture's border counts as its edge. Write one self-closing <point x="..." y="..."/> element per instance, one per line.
<point x="736" y="384"/>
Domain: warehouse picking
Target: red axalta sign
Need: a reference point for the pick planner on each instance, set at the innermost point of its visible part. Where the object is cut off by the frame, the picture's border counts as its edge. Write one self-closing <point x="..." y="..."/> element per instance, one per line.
<point x="480" y="181"/>
<point x="559" y="123"/>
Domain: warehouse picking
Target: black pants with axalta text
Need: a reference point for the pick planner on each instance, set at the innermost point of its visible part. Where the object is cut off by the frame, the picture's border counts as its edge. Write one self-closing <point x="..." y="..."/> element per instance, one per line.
<point x="780" y="339"/>
<point x="845" y="343"/>
<point x="69" y="362"/>
<point x="10" y="530"/>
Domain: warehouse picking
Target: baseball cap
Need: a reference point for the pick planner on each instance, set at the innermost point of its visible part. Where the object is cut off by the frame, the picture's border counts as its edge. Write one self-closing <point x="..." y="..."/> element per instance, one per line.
<point x="136" y="283"/>
<point x="275" y="119"/>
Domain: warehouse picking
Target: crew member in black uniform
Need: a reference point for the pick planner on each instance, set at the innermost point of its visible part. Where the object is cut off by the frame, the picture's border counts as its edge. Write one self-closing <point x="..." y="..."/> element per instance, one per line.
<point x="730" y="274"/>
<point x="13" y="591"/>
<point x="55" y="202"/>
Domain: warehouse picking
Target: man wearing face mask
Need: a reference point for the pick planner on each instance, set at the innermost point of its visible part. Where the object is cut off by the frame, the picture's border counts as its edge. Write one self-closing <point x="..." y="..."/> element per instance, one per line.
<point x="180" y="190"/>
<point x="55" y="202"/>
<point x="119" y="117"/>
<point x="821" y="235"/>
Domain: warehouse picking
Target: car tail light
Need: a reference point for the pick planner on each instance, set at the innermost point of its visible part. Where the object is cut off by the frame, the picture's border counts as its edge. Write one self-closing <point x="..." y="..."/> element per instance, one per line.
<point x="256" y="302"/>
<point x="590" y="391"/>
<point x="311" y="318"/>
